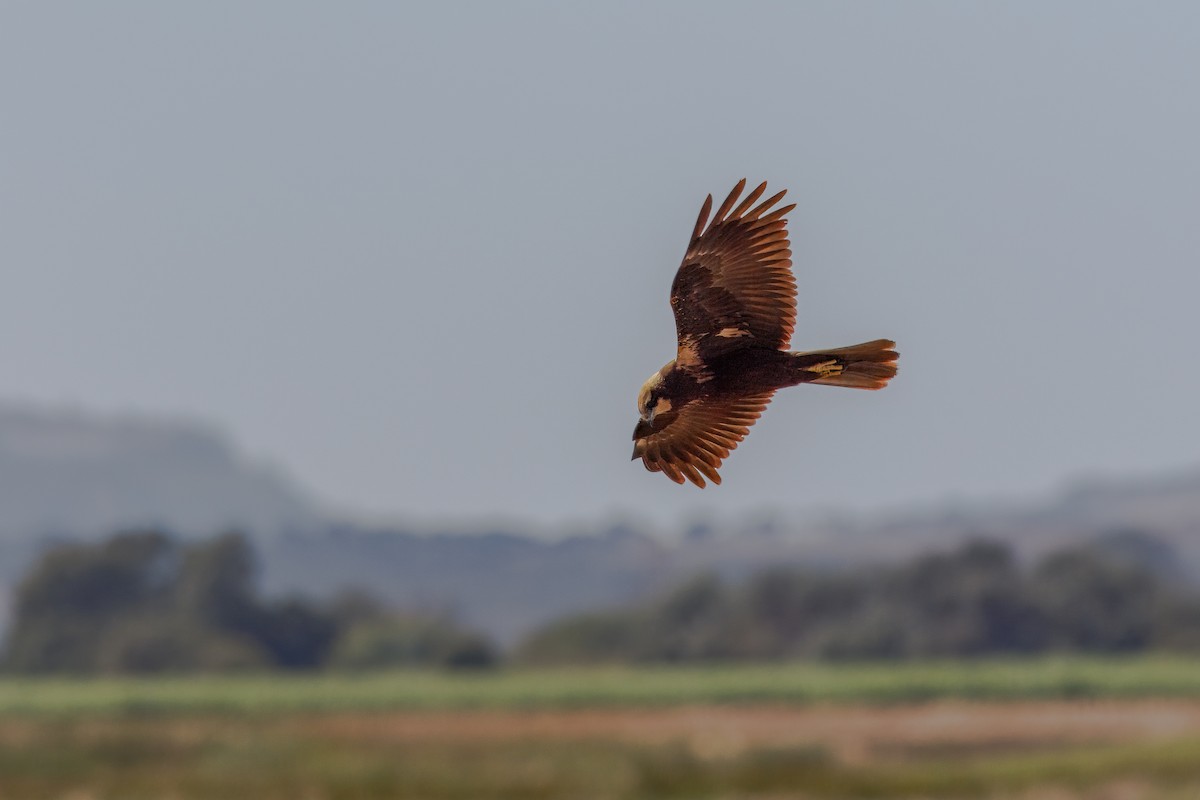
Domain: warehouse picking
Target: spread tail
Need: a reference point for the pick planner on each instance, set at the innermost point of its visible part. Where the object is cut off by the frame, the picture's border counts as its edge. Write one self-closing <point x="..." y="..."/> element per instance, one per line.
<point x="869" y="365"/>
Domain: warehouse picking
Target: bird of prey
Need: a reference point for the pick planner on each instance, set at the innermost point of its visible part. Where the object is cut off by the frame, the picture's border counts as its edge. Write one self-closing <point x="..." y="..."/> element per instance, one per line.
<point x="734" y="299"/>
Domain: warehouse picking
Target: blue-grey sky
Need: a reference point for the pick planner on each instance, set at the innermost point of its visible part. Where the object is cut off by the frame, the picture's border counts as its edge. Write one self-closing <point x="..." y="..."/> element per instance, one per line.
<point x="420" y="256"/>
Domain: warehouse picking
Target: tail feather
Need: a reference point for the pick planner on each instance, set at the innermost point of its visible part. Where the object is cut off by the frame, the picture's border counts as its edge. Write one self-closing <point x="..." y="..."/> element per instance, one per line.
<point x="869" y="365"/>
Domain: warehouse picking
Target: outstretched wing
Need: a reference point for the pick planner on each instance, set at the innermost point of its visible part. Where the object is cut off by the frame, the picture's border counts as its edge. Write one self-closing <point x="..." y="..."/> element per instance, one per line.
<point x="735" y="286"/>
<point x="691" y="443"/>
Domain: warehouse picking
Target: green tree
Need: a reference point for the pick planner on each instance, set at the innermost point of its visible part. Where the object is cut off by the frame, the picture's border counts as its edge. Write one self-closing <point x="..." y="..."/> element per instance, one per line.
<point x="77" y="594"/>
<point x="408" y="640"/>
<point x="215" y="583"/>
<point x="966" y="602"/>
<point x="1096" y="603"/>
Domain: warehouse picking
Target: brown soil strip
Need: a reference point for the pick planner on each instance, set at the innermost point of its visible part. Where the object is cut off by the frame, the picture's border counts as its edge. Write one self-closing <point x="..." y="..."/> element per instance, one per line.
<point x="851" y="733"/>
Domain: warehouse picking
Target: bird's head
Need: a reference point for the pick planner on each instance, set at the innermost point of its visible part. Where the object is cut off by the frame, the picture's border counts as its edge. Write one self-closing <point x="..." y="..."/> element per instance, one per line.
<point x="651" y="400"/>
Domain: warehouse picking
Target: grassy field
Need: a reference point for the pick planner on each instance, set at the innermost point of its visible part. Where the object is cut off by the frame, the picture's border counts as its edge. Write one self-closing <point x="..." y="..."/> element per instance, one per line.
<point x="1116" y="751"/>
<point x="798" y="683"/>
<point x="1075" y="729"/>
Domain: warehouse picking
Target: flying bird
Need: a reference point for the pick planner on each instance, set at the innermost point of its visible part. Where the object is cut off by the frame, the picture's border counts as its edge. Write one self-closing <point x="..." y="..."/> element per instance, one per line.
<point x="734" y="299"/>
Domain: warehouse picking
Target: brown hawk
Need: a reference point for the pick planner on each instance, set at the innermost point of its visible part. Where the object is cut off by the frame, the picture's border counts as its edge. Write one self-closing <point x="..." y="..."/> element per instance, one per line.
<point x="734" y="299"/>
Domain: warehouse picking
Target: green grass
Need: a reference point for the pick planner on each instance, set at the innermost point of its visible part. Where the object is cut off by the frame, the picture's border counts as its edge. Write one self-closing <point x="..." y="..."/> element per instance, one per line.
<point x="775" y="773"/>
<point x="322" y="737"/>
<point x="1043" y="678"/>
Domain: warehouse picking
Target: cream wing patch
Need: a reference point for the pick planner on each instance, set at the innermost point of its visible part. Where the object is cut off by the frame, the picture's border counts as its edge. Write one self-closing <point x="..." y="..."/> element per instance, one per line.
<point x="688" y="358"/>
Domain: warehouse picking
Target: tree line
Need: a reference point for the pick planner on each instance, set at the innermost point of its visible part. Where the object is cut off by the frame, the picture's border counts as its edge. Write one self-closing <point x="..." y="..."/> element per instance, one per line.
<point x="146" y="602"/>
<point x="1117" y="594"/>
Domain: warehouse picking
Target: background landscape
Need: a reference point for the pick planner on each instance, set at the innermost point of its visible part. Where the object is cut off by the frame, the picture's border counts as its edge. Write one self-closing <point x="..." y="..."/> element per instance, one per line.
<point x="319" y="338"/>
<point x="827" y="654"/>
<point x="71" y="476"/>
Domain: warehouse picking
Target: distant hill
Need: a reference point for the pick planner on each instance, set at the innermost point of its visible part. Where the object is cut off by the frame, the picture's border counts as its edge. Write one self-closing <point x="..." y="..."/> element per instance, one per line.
<point x="507" y="583"/>
<point x="65" y="473"/>
<point x="70" y="475"/>
<point x="1166" y="506"/>
<point x="503" y="583"/>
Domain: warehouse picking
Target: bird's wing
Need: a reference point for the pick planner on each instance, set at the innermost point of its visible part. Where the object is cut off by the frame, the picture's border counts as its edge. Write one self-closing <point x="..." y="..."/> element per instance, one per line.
<point x="735" y="286"/>
<point x="692" y="442"/>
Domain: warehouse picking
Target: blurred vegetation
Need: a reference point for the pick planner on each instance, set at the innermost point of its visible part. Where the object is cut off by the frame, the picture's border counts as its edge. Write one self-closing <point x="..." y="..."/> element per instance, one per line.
<point x="1110" y="596"/>
<point x="143" y="602"/>
<point x="363" y="757"/>
<point x="659" y="686"/>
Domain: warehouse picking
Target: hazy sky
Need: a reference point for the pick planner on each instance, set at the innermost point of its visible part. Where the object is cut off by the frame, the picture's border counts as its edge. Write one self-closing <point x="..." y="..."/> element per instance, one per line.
<point x="421" y="256"/>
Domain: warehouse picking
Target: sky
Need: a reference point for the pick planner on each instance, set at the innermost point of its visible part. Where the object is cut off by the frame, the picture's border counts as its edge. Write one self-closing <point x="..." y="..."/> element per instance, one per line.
<point x="420" y="255"/>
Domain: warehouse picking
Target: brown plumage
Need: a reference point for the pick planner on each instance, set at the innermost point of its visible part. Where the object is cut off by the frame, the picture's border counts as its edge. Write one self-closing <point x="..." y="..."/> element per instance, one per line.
<point x="734" y="299"/>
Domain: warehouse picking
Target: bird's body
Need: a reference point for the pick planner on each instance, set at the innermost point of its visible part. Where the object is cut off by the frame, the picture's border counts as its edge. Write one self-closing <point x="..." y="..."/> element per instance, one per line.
<point x="738" y="372"/>
<point x="734" y="304"/>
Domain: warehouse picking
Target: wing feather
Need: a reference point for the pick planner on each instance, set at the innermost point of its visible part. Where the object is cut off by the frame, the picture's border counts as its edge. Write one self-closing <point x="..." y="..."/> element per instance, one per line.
<point x="690" y="444"/>
<point x="705" y="210"/>
<point x="750" y="198"/>
<point x="735" y="287"/>
<point x="729" y="201"/>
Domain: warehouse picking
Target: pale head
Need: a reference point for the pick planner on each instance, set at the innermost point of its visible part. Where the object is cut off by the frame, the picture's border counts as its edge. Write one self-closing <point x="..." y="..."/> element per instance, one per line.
<point x="650" y="399"/>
